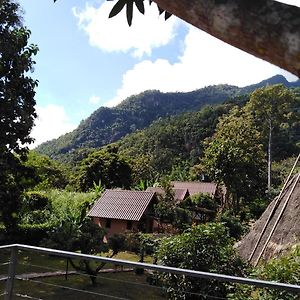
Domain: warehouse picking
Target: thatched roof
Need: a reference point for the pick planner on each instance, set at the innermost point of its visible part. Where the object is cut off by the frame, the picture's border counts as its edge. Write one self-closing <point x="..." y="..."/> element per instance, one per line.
<point x="275" y="232"/>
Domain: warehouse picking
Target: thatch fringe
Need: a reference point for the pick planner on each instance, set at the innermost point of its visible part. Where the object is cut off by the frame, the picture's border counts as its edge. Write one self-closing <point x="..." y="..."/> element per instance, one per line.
<point x="282" y="228"/>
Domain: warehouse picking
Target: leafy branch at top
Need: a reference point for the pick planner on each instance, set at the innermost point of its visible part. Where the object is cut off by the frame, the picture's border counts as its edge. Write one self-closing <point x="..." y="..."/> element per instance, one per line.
<point x="129" y="9"/>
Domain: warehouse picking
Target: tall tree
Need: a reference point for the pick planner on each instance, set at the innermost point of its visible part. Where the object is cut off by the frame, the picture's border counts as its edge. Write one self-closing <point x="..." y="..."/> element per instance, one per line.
<point x="17" y="102"/>
<point x="273" y="108"/>
<point x="235" y="157"/>
<point x="104" y="165"/>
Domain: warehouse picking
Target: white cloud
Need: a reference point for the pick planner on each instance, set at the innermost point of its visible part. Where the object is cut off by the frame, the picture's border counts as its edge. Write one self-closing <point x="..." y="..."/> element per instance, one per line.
<point x="52" y="122"/>
<point x="94" y="100"/>
<point x="205" y="61"/>
<point x="147" y="31"/>
<point x="291" y="2"/>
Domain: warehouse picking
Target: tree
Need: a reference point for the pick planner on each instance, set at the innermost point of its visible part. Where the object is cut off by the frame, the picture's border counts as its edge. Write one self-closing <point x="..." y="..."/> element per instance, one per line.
<point x="17" y="110"/>
<point x="202" y="207"/>
<point x="47" y="172"/>
<point x="105" y="165"/>
<point x="168" y="212"/>
<point x="273" y="108"/>
<point x="17" y="102"/>
<point x="235" y="157"/>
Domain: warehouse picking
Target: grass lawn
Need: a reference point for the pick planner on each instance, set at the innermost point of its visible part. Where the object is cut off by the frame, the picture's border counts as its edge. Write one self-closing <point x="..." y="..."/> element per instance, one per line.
<point x="126" y="285"/>
<point x="109" y="286"/>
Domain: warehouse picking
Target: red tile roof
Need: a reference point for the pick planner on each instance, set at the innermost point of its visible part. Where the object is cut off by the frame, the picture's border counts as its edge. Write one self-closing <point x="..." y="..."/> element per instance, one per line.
<point x="196" y="187"/>
<point x="122" y="204"/>
<point x="180" y="194"/>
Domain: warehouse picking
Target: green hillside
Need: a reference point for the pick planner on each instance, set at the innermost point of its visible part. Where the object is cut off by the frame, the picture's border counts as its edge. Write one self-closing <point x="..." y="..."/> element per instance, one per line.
<point x="108" y="125"/>
<point x="173" y="140"/>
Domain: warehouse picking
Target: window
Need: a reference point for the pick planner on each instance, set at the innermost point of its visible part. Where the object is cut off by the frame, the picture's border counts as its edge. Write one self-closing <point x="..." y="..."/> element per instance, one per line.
<point x="107" y="223"/>
<point x="129" y="225"/>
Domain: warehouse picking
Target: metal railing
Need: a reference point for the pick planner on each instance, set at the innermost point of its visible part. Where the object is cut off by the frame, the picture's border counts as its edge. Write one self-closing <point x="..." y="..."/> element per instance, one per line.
<point x="14" y="249"/>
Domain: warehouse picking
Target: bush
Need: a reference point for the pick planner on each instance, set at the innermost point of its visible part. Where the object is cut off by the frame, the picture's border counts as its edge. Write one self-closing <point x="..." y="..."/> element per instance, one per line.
<point x="35" y="200"/>
<point x="2" y="235"/>
<point x="68" y="206"/>
<point x="235" y="228"/>
<point x="31" y="234"/>
<point x="117" y="243"/>
<point x="36" y="208"/>
<point x="204" y="248"/>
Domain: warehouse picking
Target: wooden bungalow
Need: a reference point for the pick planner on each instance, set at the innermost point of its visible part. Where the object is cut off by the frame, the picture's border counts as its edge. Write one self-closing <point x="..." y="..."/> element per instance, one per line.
<point x="119" y="211"/>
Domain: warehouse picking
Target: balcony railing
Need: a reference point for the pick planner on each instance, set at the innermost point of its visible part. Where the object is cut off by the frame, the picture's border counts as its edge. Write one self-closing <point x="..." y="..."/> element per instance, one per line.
<point x="19" y="282"/>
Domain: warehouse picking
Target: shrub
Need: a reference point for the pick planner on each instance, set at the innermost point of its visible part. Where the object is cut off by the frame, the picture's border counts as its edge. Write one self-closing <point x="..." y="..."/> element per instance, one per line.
<point x="68" y="206"/>
<point x="36" y="208"/>
<point x="203" y="248"/>
<point x="35" y="200"/>
<point x="117" y="243"/>
<point x="235" y="228"/>
<point x="32" y="234"/>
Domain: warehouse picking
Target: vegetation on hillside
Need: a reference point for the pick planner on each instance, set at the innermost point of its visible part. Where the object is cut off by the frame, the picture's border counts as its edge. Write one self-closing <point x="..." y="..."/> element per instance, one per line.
<point x="107" y="125"/>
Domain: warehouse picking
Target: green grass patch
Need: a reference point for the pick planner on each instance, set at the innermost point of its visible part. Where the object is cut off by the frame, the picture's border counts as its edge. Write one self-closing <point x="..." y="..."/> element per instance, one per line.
<point x="126" y="285"/>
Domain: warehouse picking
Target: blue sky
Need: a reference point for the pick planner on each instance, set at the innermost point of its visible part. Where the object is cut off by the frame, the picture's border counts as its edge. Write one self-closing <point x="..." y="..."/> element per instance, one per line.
<point x="87" y="60"/>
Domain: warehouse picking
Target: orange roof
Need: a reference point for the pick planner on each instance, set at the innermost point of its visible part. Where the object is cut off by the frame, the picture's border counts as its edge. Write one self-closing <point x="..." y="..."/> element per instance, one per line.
<point x="196" y="187"/>
<point x="122" y="204"/>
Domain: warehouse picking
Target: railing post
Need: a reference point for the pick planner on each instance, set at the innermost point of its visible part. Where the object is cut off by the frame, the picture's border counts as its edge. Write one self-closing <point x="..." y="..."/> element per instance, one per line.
<point x="11" y="274"/>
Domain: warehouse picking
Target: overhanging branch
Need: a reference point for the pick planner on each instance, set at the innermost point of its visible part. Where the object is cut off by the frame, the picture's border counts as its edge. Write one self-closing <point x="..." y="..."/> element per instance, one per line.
<point x="265" y="28"/>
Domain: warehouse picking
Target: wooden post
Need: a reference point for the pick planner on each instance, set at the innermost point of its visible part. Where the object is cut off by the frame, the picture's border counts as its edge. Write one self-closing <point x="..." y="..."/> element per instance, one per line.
<point x="11" y="274"/>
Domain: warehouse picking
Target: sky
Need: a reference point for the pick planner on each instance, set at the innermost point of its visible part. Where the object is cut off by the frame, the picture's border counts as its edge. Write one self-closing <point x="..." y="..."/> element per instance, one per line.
<point x="87" y="60"/>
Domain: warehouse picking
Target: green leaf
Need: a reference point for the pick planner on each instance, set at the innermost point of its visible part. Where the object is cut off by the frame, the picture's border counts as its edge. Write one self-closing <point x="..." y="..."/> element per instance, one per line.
<point x="167" y="15"/>
<point x="140" y="6"/>
<point x="117" y="8"/>
<point x="160" y="10"/>
<point x="129" y="11"/>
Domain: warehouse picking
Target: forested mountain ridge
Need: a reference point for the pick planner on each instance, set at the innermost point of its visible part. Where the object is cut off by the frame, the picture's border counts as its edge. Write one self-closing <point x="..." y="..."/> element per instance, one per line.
<point x="107" y="125"/>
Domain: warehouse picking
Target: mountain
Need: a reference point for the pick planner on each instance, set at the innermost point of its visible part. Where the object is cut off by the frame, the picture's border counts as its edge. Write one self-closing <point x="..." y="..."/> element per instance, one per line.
<point x="107" y="125"/>
<point x="173" y="141"/>
<point x="277" y="79"/>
